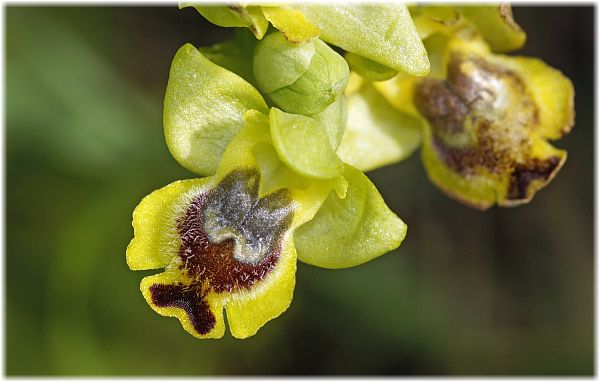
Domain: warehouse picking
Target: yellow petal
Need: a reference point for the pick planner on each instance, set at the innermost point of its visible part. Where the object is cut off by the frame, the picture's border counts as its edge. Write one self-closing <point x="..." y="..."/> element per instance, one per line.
<point x="303" y="144"/>
<point x="231" y="246"/>
<point x="201" y="318"/>
<point x="292" y="23"/>
<point x="552" y="91"/>
<point x="156" y="240"/>
<point x="233" y="15"/>
<point x="377" y="134"/>
<point x="249" y="310"/>
<point x="275" y="175"/>
<point x="493" y="22"/>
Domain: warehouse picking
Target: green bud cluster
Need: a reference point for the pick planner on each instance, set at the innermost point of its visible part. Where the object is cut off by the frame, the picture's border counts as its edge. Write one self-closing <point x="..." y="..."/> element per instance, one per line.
<point x="299" y="78"/>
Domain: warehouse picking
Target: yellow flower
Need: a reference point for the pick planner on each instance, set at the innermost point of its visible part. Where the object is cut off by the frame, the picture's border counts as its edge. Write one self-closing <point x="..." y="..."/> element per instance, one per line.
<point x="488" y="119"/>
<point x="225" y="242"/>
<point x="221" y="245"/>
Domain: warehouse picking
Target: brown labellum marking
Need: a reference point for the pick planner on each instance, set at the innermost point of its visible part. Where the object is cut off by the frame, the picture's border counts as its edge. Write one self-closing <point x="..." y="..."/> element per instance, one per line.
<point x="230" y="239"/>
<point x="188" y="299"/>
<point x="440" y="104"/>
<point x="524" y="174"/>
<point x="480" y="116"/>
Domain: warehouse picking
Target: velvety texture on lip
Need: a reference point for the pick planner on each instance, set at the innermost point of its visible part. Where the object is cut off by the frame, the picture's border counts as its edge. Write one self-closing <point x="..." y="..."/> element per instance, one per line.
<point x="230" y="239"/>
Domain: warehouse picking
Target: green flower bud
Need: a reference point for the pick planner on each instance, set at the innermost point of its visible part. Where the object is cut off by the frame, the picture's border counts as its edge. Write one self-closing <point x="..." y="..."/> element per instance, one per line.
<point x="299" y="79"/>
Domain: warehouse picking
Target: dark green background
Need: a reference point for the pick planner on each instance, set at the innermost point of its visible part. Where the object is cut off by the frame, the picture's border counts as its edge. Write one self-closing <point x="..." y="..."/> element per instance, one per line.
<point x="507" y="291"/>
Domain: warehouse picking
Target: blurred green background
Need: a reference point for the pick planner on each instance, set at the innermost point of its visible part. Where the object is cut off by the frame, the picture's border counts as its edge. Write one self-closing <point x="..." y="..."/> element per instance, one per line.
<point x="504" y="292"/>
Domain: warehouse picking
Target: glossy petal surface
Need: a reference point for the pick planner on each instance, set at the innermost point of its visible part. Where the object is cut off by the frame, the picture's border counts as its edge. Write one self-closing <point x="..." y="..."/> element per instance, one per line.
<point x="200" y="318"/>
<point x="303" y="144"/>
<point x="278" y="63"/>
<point x="383" y="33"/>
<point x="377" y="134"/>
<point x="204" y="108"/>
<point x="552" y="91"/>
<point x="350" y="231"/>
<point x="251" y="310"/>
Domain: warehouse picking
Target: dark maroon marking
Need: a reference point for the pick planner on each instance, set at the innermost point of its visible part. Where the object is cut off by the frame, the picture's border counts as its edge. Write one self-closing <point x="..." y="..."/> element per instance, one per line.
<point x="213" y="262"/>
<point x="524" y="174"/>
<point x="212" y="265"/>
<point x="188" y="299"/>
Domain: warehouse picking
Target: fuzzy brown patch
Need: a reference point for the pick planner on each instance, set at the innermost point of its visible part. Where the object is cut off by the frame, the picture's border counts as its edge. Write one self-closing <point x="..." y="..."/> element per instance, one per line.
<point x="480" y="116"/>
